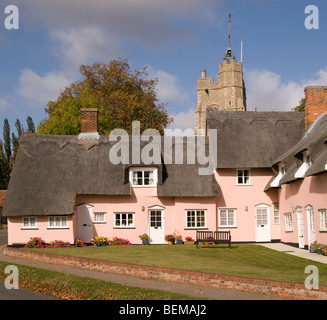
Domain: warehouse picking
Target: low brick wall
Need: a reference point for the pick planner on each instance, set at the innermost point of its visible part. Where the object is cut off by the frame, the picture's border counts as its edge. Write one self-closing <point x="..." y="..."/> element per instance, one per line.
<point x="270" y="288"/>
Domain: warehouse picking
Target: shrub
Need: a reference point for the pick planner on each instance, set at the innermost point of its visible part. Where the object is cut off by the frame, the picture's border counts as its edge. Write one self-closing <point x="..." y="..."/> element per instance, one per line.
<point x="79" y="243"/>
<point x="36" y="242"/>
<point x="59" y="244"/>
<point x="119" y="241"/>
<point x="100" y="241"/>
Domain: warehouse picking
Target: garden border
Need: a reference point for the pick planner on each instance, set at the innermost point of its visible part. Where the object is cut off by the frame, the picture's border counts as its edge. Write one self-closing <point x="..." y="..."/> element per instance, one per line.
<point x="286" y="290"/>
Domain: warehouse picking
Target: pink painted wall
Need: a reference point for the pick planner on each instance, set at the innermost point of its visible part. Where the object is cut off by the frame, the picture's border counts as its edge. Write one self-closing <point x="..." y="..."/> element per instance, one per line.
<point x="17" y="235"/>
<point x="174" y="213"/>
<point x="303" y="192"/>
<point x="240" y="197"/>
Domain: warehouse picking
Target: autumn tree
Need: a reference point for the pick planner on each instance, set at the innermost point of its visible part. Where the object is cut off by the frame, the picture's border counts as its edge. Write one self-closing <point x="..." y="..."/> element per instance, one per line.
<point x="120" y="95"/>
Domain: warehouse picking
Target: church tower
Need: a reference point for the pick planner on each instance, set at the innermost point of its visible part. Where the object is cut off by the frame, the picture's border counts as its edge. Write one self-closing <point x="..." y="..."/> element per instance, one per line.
<point x="228" y="93"/>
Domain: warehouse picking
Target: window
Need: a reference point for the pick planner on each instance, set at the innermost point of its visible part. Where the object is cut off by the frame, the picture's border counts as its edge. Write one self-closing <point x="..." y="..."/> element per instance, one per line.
<point x="99" y="217"/>
<point x="143" y="177"/>
<point x="306" y="163"/>
<point x="29" y="223"/>
<point x="243" y="177"/>
<point x="227" y="217"/>
<point x="281" y="173"/>
<point x="288" y="222"/>
<point x="58" y="222"/>
<point x="276" y="213"/>
<point x="124" y="220"/>
<point x="323" y="219"/>
<point x="195" y="219"/>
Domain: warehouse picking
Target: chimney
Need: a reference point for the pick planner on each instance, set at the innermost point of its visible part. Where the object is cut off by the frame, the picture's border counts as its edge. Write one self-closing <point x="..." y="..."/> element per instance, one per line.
<point x="315" y="103"/>
<point x="89" y="120"/>
<point x="89" y="136"/>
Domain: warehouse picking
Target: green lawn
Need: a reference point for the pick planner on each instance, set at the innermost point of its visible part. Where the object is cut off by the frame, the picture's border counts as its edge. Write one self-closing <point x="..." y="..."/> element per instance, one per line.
<point x="243" y="260"/>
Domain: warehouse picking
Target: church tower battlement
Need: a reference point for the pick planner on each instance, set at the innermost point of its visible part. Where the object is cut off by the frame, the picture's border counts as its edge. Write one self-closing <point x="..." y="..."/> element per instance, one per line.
<point x="228" y="93"/>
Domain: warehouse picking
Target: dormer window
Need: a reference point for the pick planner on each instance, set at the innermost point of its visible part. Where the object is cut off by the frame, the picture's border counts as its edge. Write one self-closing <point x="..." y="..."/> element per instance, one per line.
<point x="306" y="163"/>
<point x="281" y="173"/>
<point x="143" y="177"/>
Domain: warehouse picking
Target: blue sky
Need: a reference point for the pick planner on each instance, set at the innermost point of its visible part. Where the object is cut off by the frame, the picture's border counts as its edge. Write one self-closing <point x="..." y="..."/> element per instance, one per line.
<point x="174" y="38"/>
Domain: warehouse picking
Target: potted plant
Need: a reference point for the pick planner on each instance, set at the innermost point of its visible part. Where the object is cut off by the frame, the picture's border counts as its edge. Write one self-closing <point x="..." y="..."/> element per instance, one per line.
<point x="319" y="248"/>
<point x="145" y="238"/>
<point x="189" y="240"/>
<point x="313" y="247"/>
<point x="99" y="241"/>
<point x="178" y="238"/>
<point x="170" y="238"/>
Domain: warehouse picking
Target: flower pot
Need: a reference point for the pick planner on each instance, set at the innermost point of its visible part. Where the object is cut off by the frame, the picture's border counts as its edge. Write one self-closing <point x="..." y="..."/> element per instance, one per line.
<point x="98" y="244"/>
<point x="145" y="242"/>
<point x="313" y="249"/>
<point x="319" y="251"/>
<point x="179" y="241"/>
<point x="189" y="242"/>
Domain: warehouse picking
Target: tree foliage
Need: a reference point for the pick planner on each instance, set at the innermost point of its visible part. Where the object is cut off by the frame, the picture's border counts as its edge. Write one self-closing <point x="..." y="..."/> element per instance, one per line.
<point x="120" y="95"/>
<point x="8" y="149"/>
<point x="301" y="106"/>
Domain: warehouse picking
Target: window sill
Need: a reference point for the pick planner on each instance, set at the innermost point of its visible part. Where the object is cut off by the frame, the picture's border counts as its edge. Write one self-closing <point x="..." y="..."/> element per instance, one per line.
<point x="124" y="228"/>
<point x="322" y="231"/>
<point x="58" y="228"/>
<point x="243" y="185"/>
<point x="29" y="229"/>
<point x="227" y="227"/>
<point x="196" y="228"/>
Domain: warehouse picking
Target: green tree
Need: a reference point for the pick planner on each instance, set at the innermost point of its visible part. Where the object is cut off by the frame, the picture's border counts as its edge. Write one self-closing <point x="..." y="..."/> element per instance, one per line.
<point x="301" y="106"/>
<point x="120" y="95"/>
<point x="9" y="147"/>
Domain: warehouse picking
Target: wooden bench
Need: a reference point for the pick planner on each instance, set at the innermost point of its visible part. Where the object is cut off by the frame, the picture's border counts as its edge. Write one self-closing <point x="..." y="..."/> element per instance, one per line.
<point x="218" y="237"/>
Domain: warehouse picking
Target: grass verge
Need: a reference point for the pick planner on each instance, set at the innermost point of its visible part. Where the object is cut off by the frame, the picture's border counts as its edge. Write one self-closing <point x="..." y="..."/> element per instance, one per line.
<point x="71" y="287"/>
<point x="244" y="260"/>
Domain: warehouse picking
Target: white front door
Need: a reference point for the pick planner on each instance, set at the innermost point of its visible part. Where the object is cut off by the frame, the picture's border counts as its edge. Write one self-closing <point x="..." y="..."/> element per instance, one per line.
<point x="84" y="222"/>
<point x="262" y="223"/>
<point x="311" y="226"/>
<point x="300" y="226"/>
<point x="156" y="226"/>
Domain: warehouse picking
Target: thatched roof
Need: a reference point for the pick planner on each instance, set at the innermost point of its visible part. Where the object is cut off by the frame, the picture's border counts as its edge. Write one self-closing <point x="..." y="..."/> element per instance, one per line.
<point x="51" y="170"/>
<point x="315" y="142"/>
<point x="254" y="139"/>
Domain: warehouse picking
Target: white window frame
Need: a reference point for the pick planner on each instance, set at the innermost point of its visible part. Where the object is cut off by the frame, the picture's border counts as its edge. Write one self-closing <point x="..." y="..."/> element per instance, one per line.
<point x="196" y="219"/>
<point x="323" y="219"/>
<point x="121" y="220"/>
<point x="154" y="179"/>
<point x="230" y="214"/>
<point x="59" y="222"/>
<point x="96" y="216"/>
<point x="288" y="221"/>
<point x="276" y="213"/>
<point x="29" y="225"/>
<point x="243" y="176"/>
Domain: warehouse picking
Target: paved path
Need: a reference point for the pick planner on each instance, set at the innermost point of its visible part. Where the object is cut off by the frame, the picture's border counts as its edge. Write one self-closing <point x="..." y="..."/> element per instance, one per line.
<point x="296" y="251"/>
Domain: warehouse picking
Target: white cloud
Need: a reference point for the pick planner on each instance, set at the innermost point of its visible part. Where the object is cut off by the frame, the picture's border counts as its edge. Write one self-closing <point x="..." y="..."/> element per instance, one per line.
<point x="78" y="46"/>
<point x="266" y="90"/>
<point x="4" y="105"/>
<point x="149" y="21"/>
<point x="168" y="88"/>
<point x="38" y="90"/>
<point x="183" y="122"/>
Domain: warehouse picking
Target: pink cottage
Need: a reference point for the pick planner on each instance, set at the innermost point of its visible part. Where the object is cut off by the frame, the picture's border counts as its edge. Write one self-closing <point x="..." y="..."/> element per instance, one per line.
<point x="269" y="183"/>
